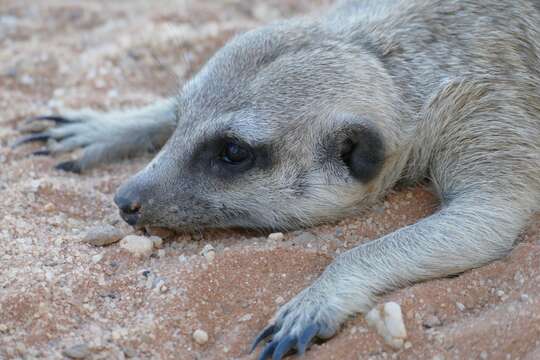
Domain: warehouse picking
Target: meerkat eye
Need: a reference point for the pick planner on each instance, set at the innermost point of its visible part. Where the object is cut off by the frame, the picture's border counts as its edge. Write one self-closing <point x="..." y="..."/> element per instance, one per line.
<point x="346" y="151"/>
<point x="234" y="153"/>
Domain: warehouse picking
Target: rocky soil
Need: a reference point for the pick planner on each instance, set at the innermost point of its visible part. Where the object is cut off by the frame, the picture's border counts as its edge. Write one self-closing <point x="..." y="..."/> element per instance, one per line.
<point x="60" y="296"/>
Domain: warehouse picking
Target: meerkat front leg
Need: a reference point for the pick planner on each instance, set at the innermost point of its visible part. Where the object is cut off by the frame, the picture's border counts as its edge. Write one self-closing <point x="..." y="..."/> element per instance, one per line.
<point x="105" y="136"/>
<point x="471" y="231"/>
<point x="488" y="177"/>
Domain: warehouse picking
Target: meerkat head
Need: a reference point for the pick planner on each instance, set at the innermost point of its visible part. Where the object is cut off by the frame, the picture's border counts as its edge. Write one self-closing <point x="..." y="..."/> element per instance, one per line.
<point x="286" y="126"/>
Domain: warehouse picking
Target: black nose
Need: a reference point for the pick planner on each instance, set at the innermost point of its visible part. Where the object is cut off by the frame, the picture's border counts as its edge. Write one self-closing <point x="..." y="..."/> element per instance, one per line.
<point x="129" y="209"/>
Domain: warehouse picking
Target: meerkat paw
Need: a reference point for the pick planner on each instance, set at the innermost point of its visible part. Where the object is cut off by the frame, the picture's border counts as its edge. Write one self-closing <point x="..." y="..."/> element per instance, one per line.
<point x="308" y="316"/>
<point x="98" y="135"/>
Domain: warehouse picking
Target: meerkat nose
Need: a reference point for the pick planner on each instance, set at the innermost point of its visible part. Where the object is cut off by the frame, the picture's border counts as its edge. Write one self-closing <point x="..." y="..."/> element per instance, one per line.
<point x="129" y="209"/>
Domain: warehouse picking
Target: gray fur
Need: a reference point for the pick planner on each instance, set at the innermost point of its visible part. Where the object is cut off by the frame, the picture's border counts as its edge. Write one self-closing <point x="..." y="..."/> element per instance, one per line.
<point x="451" y="86"/>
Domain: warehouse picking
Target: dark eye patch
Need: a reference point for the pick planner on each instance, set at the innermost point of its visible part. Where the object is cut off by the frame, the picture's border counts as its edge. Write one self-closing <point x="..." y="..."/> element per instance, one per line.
<point x="228" y="157"/>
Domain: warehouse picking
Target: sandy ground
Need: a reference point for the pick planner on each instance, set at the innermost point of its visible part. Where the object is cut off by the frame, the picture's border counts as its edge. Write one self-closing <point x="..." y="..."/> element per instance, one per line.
<point x="57" y="292"/>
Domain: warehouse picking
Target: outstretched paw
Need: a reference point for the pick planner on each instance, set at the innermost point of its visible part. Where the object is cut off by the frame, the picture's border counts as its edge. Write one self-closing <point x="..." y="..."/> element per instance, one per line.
<point x="297" y="324"/>
<point x="86" y="129"/>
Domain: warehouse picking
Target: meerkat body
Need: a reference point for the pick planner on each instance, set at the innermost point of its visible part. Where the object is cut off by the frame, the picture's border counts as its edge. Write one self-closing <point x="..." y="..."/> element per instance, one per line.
<point x="308" y="120"/>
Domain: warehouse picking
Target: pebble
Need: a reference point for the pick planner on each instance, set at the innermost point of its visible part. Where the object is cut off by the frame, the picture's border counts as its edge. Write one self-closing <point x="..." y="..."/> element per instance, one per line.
<point x="208" y="252"/>
<point x="432" y="321"/>
<point x="388" y="320"/>
<point x="79" y="351"/>
<point x="460" y="306"/>
<point x="138" y="245"/>
<point x="129" y="352"/>
<point x="156" y="241"/>
<point x="102" y="235"/>
<point x="200" y="337"/>
<point x="26" y="80"/>
<point x="278" y="236"/>
<point x="97" y="258"/>
<point x="116" y="335"/>
<point x="49" y="207"/>
<point x="245" y="318"/>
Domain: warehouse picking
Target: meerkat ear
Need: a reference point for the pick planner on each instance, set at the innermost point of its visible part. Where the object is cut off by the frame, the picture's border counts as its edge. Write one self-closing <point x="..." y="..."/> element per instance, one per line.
<point x="362" y="151"/>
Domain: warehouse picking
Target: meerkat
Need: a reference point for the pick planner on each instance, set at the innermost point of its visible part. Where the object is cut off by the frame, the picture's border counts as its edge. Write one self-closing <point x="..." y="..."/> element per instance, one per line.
<point x="312" y="119"/>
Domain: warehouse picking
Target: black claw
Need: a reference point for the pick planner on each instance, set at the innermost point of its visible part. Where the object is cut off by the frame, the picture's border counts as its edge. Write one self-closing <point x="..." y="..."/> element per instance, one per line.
<point x="268" y="350"/>
<point x="69" y="166"/>
<point x="57" y="119"/>
<point x="31" y="138"/>
<point x="42" y="152"/>
<point x="284" y="346"/>
<point x="266" y="332"/>
<point x="305" y="338"/>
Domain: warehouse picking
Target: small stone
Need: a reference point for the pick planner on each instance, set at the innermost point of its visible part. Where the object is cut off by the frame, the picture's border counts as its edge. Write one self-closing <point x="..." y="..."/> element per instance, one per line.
<point x="101" y="280"/>
<point x="483" y="355"/>
<point x="432" y="321"/>
<point x="210" y="256"/>
<point x="137" y="245"/>
<point x="460" y="306"/>
<point x="26" y="80"/>
<point x="129" y="352"/>
<point x="21" y="349"/>
<point x="245" y="318"/>
<point x="97" y="258"/>
<point x="49" y="207"/>
<point x="79" y="351"/>
<point x="116" y="335"/>
<point x="163" y="288"/>
<point x="388" y="320"/>
<point x="102" y="235"/>
<point x="200" y="337"/>
<point x="279" y="300"/>
<point x="276" y="236"/>
<point x="3" y="328"/>
<point x="500" y="293"/>
<point x="158" y="284"/>
<point x="407" y="345"/>
<point x="157" y="241"/>
<point x="524" y="297"/>
<point x="208" y="252"/>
